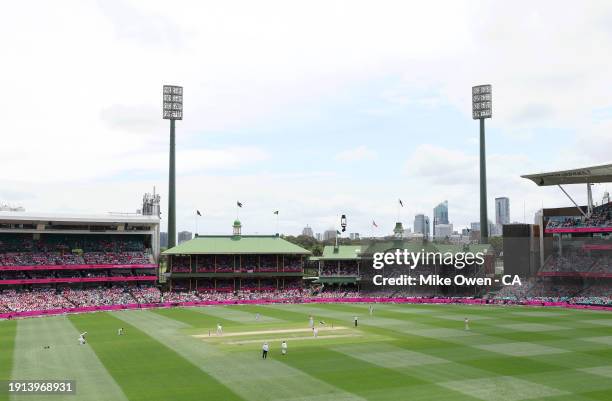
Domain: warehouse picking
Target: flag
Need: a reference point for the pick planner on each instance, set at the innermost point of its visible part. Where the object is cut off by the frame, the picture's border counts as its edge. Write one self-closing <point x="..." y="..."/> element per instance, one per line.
<point x="276" y="212"/>
<point x="374" y="224"/>
<point x="238" y="204"/>
<point x="198" y="213"/>
<point x="338" y="232"/>
<point x="401" y="203"/>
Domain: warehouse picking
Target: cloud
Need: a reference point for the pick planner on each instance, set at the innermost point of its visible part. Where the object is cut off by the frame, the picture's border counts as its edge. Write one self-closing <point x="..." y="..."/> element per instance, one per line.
<point x="141" y="25"/>
<point x="441" y="165"/>
<point x="143" y="118"/>
<point x="359" y="153"/>
<point x="85" y="130"/>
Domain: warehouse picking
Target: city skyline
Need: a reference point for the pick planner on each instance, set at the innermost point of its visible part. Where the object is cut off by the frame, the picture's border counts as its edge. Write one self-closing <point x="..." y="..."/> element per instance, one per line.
<point x="371" y="117"/>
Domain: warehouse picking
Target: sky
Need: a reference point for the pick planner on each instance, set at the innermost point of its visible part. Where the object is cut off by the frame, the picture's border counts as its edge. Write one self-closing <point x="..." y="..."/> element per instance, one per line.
<point x="314" y="109"/>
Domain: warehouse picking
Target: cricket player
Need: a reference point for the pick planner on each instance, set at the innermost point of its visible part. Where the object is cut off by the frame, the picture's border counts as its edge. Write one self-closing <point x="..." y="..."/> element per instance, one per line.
<point x="120" y="331"/>
<point x="257" y="317"/>
<point x="265" y="350"/>
<point x="82" y="340"/>
<point x="315" y="332"/>
<point x="355" y="320"/>
<point x="284" y="348"/>
<point x="311" y="322"/>
<point x="219" y="329"/>
<point x="371" y="310"/>
<point x="467" y="323"/>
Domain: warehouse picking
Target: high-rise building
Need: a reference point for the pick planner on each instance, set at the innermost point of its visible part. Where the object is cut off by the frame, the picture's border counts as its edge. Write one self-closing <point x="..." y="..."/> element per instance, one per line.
<point x="421" y="225"/>
<point x="502" y="211"/>
<point x="329" y="234"/>
<point x="319" y="236"/>
<point x="307" y="232"/>
<point x="537" y="218"/>
<point x="440" y="215"/>
<point x="163" y="239"/>
<point x="475" y="227"/>
<point x="354" y="236"/>
<point x="184" y="236"/>
<point x="443" y="231"/>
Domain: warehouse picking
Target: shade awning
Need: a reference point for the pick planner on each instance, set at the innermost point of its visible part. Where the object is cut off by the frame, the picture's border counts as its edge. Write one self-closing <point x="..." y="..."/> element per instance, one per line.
<point x="593" y="175"/>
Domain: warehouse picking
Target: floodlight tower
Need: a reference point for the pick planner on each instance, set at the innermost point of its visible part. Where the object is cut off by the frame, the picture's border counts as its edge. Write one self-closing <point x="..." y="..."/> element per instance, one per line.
<point x="481" y="109"/>
<point x="173" y="110"/>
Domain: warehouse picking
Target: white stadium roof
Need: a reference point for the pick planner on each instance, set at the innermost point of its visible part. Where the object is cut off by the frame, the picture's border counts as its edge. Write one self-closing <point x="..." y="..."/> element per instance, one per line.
<point x="77" y="218"/>
<point x="592" y="175"/>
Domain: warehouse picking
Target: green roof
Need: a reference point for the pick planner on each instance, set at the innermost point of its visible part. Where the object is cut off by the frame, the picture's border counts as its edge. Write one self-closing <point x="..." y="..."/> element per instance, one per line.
<point x="392" y="245"/>
<point x="229" y="244"/>
<point x="343" y="252"/>
<point x="475" y="248"/>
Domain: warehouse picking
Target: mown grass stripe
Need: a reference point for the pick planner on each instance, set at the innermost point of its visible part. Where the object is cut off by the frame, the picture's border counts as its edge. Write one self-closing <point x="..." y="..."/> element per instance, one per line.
<point x="8" y="330"/>
<point x="195" y="318"/>
<point x="236" y="314"/>
<point x="248" y="375"/>
<point x="48" y="349"/>
<point x="145" y="368"/>
<point x="367" y="380"/>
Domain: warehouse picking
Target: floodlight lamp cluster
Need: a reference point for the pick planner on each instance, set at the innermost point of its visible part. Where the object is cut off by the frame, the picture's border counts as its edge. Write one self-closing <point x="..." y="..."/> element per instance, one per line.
<point x="481" y="102"/>
<point x="173" y="102"/>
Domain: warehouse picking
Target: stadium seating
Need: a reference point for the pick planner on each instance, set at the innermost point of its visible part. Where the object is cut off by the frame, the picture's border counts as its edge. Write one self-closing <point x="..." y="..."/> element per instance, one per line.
<point x="601" y="218"/>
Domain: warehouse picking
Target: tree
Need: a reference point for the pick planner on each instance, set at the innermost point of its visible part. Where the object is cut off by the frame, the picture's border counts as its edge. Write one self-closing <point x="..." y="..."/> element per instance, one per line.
<point x="498" y="244"/>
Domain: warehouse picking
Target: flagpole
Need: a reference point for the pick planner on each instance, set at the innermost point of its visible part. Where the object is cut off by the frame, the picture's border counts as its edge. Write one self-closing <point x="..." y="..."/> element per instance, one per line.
<point x="277" y="224"/>
<point x="398" y="211"/>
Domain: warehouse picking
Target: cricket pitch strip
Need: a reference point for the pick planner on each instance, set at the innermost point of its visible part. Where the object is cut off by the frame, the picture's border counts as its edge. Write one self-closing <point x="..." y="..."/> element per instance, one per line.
<point x="323" y="331"/>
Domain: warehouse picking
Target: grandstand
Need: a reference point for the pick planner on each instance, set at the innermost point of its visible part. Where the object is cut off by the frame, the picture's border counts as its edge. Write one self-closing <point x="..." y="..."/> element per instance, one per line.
<point x="575" y="243"/>
<point x="53" y="262"/>
<point x="231" y="263"/>
<point x="339" y="264"/>
<point x="345" y="268"/>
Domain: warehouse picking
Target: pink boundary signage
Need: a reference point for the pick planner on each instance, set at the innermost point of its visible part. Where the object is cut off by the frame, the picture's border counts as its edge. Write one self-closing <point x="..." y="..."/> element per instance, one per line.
<point x="76" y="280"/>
<point x="77" y="267"/>
<point x="575" y="274"/>
<point x="579" y="230"/>
<point x="275" y="301"/>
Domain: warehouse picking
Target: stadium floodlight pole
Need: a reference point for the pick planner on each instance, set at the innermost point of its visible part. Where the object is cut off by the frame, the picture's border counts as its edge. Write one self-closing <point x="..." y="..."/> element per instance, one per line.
<point x="481" y="109"/>
<point x="172" y="110"/>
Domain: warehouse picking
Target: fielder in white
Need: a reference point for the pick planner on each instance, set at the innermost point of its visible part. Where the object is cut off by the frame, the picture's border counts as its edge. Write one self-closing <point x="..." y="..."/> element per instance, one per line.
<point x="219" y="329"/>
<point x="284" y="348"/>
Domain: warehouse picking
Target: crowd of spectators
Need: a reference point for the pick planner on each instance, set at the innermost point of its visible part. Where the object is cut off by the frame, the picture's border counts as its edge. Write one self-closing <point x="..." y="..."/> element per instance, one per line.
<point x="339" y="270"/>
<point x="571" y="263"/>
<point x="578" y="263"/>
<point x="98" y="296"/>
<point x="544" y="290"/>
<point x="39" y="299"/>
<point x="87" y="258"/>
<point x="50" y="250"/>
<point x="146" y="295"/>
<point x="601" y="217"/>
<point x="536" y="289"/>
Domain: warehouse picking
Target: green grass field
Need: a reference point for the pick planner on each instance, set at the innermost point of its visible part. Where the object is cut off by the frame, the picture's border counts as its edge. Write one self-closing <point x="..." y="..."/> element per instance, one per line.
<point x="402" y="352"/>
